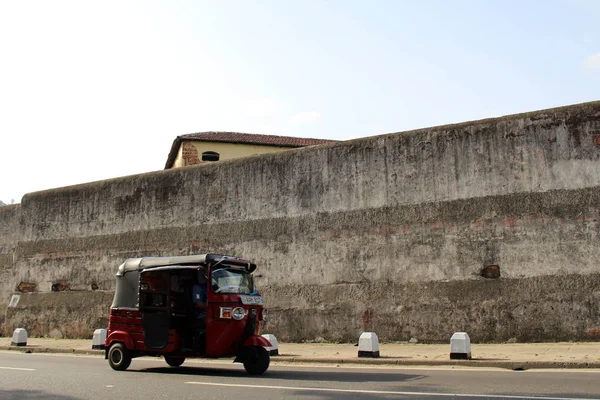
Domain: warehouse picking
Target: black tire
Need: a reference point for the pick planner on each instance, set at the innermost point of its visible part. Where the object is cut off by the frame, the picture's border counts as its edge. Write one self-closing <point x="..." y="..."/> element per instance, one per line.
<point x="118" y="357"/>
<point x="256" y="360"/>
<point x="174" y="361"/>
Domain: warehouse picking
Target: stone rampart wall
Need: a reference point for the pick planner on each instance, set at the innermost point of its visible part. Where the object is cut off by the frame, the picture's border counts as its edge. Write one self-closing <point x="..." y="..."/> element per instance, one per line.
<point x="378" y="230"/>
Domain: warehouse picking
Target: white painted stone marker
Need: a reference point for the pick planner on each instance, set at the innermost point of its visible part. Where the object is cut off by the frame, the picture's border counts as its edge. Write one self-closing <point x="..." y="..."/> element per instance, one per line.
<point x="368" y="345"/>
<point x="274" y="349"/>
<point x="460" y="346"/>
<point x="14" y="300"/>
<point x="99" y="339"/>
<point x="19" y="337"/>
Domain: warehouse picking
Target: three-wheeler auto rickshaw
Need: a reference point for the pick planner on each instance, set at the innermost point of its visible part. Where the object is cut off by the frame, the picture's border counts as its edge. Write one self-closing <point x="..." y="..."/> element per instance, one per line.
<point x="155" y="311"/>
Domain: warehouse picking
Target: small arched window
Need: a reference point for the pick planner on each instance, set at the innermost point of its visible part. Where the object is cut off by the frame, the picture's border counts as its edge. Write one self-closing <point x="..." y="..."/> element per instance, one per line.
<point x="210" y="156"/>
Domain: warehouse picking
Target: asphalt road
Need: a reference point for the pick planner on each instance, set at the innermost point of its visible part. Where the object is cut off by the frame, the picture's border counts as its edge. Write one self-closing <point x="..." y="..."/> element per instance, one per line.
<point x="69" y="377"/>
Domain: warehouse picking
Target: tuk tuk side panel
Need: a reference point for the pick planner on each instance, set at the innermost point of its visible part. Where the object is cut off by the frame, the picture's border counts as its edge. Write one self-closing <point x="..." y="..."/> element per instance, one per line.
<point x="125" y="322"/>
<point x="173" y="345"/>
<point x="127" y="328"/>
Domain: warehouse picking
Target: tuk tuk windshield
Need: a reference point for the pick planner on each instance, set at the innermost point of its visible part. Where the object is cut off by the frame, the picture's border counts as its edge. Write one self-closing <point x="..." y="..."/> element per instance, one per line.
<point x="230" y="280"/>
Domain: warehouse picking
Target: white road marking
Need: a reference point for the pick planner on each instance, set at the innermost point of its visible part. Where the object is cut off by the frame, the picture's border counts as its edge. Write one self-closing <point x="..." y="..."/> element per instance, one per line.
<point x="392" y="392"/>
<point x="414" y="378"/>
<point x="18" y="369"/>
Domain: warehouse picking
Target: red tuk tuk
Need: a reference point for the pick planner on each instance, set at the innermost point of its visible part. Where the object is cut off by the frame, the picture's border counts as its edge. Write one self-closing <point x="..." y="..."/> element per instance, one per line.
<point x="157" y="311"/>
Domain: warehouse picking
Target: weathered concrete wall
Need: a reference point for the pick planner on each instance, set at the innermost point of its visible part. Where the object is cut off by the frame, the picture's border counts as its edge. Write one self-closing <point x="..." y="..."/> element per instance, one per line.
<point x="414" y="271"/>
<point x="62" y="314"/>
<point x="537" y="152"/>
<point x="334" y="226"/>
<point x="549" y="308"/>
<point x="10" y="234"/>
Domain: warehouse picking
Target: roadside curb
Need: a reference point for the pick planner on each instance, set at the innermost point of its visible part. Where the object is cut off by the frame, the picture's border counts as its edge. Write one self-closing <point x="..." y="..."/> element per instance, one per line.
<point x="512" y="365"/>
<point x="32" y="349"/>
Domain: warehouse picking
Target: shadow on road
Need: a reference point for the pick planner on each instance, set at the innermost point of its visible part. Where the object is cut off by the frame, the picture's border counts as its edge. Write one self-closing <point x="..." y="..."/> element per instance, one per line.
<point x="372" y="375"/>
<point x="32" y="394"/>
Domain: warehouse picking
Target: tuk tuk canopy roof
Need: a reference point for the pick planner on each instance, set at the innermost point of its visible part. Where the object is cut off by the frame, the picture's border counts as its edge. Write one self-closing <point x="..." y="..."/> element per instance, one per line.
<point x="138" y="264"/>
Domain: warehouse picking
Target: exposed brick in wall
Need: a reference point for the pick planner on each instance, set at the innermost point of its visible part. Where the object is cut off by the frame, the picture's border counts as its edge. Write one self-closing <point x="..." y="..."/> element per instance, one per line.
<point x="190" y="154"/>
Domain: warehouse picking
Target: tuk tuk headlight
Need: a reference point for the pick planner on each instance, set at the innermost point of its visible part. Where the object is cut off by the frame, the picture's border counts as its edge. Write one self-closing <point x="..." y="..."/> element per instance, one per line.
<point x="238" y="313"/>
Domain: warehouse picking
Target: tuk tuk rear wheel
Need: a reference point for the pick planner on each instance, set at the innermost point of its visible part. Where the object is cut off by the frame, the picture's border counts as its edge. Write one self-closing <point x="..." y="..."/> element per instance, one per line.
<point x="118" y="357"/>
<point x="174" y="361"/>
<point x="256" y="360"/>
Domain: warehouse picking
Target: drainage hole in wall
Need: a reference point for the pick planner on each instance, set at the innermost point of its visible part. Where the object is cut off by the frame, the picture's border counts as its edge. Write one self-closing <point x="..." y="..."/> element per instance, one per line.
<point x="490" y="272"/>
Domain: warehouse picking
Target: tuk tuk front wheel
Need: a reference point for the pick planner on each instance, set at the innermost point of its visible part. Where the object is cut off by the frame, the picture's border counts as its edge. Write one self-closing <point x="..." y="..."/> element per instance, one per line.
<point x="118" y="357"/>
<point x="256" y="360"/>
<point x="174" y="361"/>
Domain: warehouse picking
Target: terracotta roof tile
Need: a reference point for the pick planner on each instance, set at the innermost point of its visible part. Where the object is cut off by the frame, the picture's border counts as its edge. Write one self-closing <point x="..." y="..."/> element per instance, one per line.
<point x="250" y="138"/>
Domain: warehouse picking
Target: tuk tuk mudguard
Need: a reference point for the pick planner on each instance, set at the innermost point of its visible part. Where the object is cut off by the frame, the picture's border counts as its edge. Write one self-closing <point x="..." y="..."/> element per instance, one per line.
<point x="257" y="341"/>
<point x="116" y="337"/>
<point x="252" y="341"/>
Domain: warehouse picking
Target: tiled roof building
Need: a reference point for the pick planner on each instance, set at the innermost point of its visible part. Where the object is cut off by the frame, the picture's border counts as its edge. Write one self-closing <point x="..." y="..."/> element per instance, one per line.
<point x="195" y="148"/>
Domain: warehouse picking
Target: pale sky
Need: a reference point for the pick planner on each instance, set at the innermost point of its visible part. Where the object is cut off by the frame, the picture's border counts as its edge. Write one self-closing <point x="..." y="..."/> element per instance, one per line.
<point x="91" y="90"/>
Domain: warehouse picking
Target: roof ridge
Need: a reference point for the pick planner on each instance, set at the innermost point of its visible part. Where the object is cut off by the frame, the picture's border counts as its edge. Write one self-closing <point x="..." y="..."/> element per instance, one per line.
<point x="209" y="133"/>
